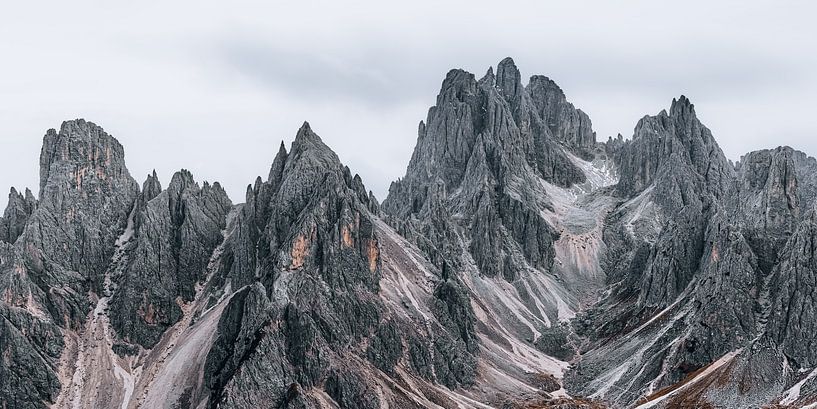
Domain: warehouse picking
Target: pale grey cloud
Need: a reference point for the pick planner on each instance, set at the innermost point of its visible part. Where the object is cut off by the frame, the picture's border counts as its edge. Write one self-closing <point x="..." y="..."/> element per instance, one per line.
<point x="215" y="87"/>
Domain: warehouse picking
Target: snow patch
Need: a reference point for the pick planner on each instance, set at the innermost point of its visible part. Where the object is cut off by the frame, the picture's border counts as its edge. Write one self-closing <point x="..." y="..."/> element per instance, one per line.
<point x="702" y="375"/>
<point x="794" y="392"/>
<point x="599" y="173"/>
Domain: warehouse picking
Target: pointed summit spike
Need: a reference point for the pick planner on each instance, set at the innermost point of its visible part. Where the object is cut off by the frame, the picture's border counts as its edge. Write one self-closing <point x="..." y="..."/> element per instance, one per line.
<point x="509" y="80"/>
<point x="277" y="167"/>
<point x="506" y="62"/>
<point x="489" y="78"/>
<point x="305" y="132"/>
<point x="681" y="106"/>
<point x="307" y="140"/>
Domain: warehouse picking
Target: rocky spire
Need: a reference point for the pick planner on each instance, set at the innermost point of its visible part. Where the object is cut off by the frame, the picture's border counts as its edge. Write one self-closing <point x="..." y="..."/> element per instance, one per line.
<point x="277" y="167"/>
<point x="567" y="124"/>
<point x="680" y="133"/>
<point x="151" y="187"/>
<point x="15" y="217"/>
<point x="766" y="200"/>
<point x="480" y="140"/>
<point x="82" y="157"/>
<point x="509" y="80"/>
<point x="176" y="232"/>
<point x="317" y="257"/>
<point x="86" y="196"/>
<point x="59" y="259"/>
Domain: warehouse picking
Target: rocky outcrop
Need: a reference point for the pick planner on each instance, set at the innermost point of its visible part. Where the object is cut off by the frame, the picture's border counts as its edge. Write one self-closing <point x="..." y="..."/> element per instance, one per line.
<point x="86" y="196"/>
<point x="308" y="230"/>
<point x="695" y="248"/>
<point x="175" y="233"/>
<point x="485" y="196"/>
<point x="793" y="306"/>
<point x="482" y="154"/>
<point x="674" y="135"/>
<point x="569" y="125"/>
<point x="30" y="342"/>
<point x="767" y="202"/>
<point x="16" y="215"/>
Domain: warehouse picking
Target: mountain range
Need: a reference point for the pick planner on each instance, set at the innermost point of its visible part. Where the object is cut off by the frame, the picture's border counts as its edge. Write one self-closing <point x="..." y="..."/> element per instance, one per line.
<point x="519" y="263"/>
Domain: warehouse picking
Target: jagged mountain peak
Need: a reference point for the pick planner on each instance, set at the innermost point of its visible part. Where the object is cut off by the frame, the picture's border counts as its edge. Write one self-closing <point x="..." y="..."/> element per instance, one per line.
<point x="77" y="128"/>
<point x="508" y="78"/>
<point x="27" y="195"/>
<point x="681" y="100"/>
<point x="18" y="210"/>
<point x="678" y="135"/>
<point x="489" y="77"/>
<point x="466" y="108"/>
<point x="151" y="186"/>
<point x="507" y="62"/>
<point x="305" y="132"/>
<point x="458" y="86"/>
<point x="282" y="149"/>
<point x="182" y="177"/>
<point x="544" y="82"/>
<point x="308" y="144"/>
<point x="81" y="151"/>
<point x="310" y="163"/>
<point x="77" y="123"/>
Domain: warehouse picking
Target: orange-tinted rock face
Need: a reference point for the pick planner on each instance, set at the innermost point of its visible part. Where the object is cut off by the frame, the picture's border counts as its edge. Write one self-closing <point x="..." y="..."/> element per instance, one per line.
<point x="298" y="253"/>
<point x="148" y="314"/>
<point x="346" y="236"/>
<point x="372" y="253"/>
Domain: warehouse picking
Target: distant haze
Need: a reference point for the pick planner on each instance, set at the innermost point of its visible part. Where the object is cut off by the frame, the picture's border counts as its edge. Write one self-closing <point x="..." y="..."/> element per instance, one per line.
<point x="215" y="89"/>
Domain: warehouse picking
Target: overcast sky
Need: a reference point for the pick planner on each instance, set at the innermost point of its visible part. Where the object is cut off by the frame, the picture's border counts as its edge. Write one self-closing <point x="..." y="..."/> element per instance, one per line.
<point x="215" y="86"/>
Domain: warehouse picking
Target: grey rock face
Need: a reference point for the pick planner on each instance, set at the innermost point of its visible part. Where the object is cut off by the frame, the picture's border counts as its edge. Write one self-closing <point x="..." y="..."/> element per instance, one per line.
<point x="455" y="362"/>
<point x="480" y="156"/>
<point x="792" y="319"/>
<point x="176" y="231"/>
<point x="695" y="249"/>
<point x="14" y="219"/>
<point x="672" y="172"/>
<point x="678" y="134"/>
<point x="317" y="258"/>
<point x="475" y="199"/>
<point x="30" y="342"/>
<point x="768" y="200"/>
<point x="567" y="124"/>
<point x="86" y="195"/>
